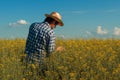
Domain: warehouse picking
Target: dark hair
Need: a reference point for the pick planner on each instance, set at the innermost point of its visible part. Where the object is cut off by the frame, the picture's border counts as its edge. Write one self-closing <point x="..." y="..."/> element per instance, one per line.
<point x="49" y="20"/>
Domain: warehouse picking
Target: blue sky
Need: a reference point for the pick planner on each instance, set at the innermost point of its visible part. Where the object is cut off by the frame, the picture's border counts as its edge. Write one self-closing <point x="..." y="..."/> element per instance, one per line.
<point x="82" y="18"/>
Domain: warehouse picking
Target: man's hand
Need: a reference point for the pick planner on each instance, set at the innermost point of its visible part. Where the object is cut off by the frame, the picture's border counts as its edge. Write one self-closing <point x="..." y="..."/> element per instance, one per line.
<point x="60" y="49"/>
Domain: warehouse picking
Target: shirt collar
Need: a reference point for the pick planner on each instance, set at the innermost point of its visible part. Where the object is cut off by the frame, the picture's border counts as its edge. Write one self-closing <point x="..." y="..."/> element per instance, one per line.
<point x="47" y="23"/>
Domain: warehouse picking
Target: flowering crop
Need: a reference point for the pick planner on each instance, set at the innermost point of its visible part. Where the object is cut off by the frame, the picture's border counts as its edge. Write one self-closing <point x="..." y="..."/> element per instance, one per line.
<point x="92" y="59"/>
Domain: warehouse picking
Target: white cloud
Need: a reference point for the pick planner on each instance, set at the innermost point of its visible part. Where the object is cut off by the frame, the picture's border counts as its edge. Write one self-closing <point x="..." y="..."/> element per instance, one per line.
<point x="13" y="24"/>
<point x="79" y="12"/>
<point x="88" y="32"/>
<point x="101" y="31"/>
<point x="116" y="31"/>
<point x="23" y="22"/>
<point x="62" y="36"/>
<point x="18" y="23"/>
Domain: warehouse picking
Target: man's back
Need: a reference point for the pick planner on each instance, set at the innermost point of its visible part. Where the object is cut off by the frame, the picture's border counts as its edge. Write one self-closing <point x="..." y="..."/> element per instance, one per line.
<point x="39" y="38"/>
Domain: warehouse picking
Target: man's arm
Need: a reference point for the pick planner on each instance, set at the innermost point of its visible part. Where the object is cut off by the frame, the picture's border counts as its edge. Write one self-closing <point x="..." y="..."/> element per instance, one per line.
<point x="51" y="44"/>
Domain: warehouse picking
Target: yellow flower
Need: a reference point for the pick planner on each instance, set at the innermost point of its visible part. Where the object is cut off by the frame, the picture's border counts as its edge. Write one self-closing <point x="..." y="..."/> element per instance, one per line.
<point x="29" y="73"/>
<point x="33" y="66"/>
<point x="1" y="65"/>
<point x="72" y="74"/>
<point x="23" y="79"/>
<point x="47" y="73"/>
<point x="103" y="69"/>
<point x="8" y="75"/>
<point x="82" y="79"/>
<point x="119" y="65"/>
<point x="61" y="67"/>
<point x="80" y="58"/>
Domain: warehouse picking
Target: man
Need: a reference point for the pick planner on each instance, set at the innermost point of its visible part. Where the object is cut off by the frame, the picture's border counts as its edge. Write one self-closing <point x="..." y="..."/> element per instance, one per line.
<point x="41" y="38"/>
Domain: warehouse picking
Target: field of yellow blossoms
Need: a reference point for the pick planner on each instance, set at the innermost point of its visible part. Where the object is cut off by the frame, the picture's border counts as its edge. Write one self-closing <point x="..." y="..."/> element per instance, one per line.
<point x="93" y="59"/>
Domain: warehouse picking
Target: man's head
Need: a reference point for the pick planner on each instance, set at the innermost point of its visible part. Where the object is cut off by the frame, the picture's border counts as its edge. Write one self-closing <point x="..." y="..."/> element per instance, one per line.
<point x="53" y="23"/>
<point x="54" y="19"/>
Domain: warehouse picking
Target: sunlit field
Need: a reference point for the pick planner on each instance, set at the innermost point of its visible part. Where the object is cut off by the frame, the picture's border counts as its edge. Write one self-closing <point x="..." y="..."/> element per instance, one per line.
<point x="92" y="59"/>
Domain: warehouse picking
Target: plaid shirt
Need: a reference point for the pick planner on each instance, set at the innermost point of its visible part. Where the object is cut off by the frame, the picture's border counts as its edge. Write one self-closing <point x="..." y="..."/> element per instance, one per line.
<point x="41" y="38"/>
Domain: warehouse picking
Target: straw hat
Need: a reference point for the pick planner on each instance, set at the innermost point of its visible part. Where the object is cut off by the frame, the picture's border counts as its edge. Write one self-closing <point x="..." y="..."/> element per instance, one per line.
<point x="56" y="16"/>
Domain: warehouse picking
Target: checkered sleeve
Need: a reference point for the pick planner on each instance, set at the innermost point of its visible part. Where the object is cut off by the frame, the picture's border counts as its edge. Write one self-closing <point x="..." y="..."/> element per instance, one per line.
<point x="51" y="43"/>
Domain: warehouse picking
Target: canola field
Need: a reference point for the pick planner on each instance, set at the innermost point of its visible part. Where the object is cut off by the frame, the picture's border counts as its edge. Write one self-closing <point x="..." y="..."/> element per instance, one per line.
<point x="92" y="59"/>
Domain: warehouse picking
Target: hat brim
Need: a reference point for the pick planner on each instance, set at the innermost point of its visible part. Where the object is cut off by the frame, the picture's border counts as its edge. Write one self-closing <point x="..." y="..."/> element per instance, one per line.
<point x="58" y="20"/>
